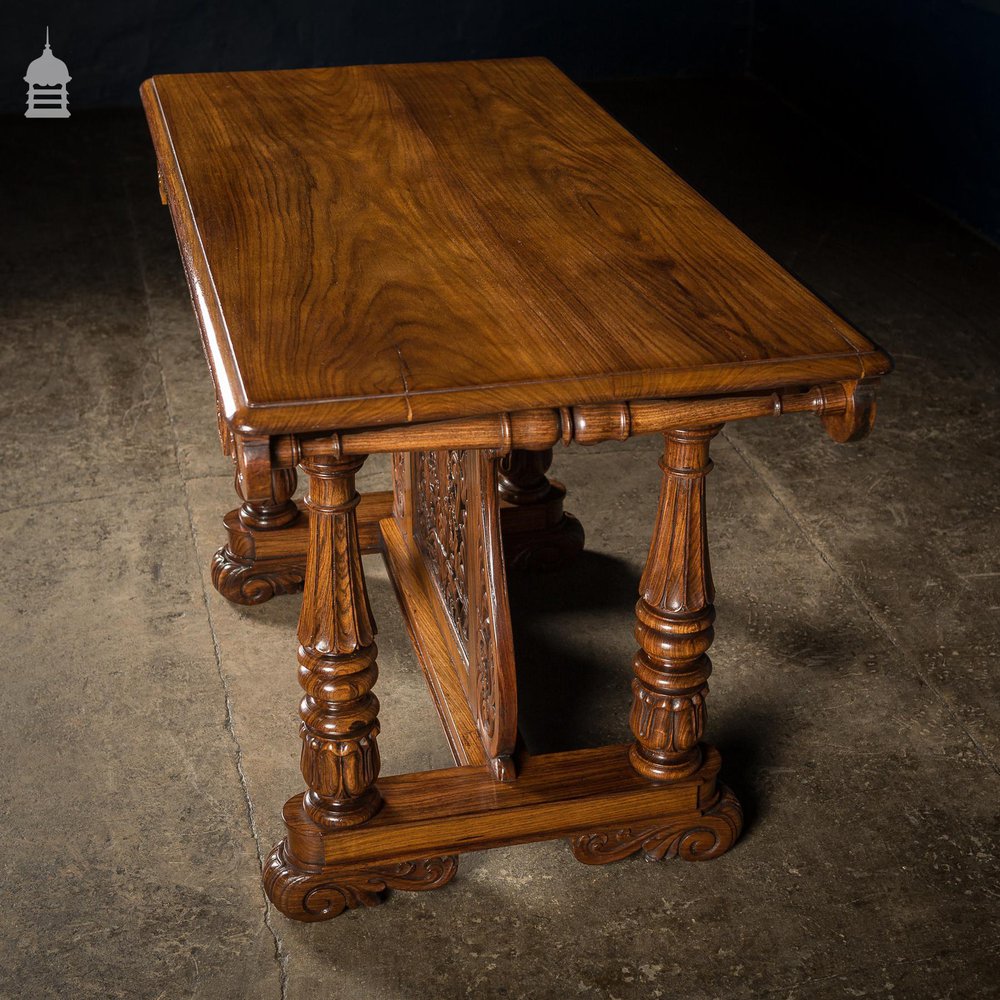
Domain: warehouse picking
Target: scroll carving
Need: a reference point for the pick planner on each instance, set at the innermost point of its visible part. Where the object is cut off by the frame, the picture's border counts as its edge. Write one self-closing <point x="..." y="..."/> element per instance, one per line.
<point x="691" y="838"/>
<point x="312" y="894"/>
<point x="253" y="582"/>
<point x="237" y="573"/>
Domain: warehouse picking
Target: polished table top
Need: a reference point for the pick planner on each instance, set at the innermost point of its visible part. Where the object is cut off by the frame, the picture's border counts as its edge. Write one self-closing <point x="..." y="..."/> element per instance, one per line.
<point x="387" y="244"/>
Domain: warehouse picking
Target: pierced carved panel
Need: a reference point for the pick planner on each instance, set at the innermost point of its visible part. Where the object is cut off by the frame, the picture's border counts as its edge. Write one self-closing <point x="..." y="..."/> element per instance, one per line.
<point x="455" y="508"/>
<point x="440" y="525"/>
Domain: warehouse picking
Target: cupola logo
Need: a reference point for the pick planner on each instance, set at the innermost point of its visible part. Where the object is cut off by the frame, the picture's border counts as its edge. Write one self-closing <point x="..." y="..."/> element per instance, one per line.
<point x="47" y="78"/>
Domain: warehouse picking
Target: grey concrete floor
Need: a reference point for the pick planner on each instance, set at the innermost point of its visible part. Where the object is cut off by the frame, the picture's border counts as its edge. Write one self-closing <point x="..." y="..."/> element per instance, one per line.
<point x="148" y="728"/>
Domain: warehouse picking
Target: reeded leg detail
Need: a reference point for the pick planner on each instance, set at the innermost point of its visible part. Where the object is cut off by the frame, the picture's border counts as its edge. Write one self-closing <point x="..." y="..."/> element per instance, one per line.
<point x="337" y="667"/>
<point x="321" y="893"/>
<point x="674" y="618"/>
<point x="537" y="532"/>
<point x="339" y="712"/>
<point x="691" y="838"/>
<point x="239" y="572"/>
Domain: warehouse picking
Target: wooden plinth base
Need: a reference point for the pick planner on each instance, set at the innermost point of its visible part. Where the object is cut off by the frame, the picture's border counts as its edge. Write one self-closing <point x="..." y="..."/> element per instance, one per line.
<point x="592" y="797"/>
<point x="597" y="799"/>
<point x="257" y="564"/>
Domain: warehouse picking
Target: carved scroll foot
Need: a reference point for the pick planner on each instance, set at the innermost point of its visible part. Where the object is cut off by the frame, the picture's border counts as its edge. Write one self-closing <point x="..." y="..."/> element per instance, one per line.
<point x="691" y="838"/>
<point x="537" y="533"/>
<point x="243" y="577"/>
<point x="257" y="562"/>
<point x="310" y="893"/>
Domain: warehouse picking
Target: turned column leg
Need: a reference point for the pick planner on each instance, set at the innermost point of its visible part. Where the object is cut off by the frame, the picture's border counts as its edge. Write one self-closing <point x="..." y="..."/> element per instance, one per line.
<point x="521" y="476"/>
<point x="244" y="570"/>
<point x="337" y="667"/>
<point x="537" y="532"/>
<point x="674" y="618"/>
<point x="339" y="727"/>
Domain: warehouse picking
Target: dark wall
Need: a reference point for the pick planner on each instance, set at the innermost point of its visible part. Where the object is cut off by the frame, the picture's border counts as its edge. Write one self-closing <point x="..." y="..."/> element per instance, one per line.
<point x="914" y="84"/>
<point x="111" y="46"/>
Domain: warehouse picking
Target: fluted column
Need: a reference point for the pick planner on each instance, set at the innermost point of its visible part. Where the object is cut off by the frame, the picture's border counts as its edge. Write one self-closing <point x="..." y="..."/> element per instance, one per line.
<point x="337" y="667"/>
<point x="674" y="617"/>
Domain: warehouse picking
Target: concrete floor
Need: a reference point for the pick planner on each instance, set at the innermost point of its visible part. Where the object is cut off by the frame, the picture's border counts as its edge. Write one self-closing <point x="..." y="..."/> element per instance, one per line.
<point x="148" y="729"/>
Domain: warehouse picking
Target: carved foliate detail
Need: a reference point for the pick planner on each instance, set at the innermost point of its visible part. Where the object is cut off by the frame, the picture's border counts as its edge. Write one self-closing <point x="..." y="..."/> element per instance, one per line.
<point x="672" y="724"/>
<point x="253" y="582"/>
<point x="485" y="660"/>
<point x="492" y="660"/>
<point x="337" y="666"/>
<point x="674" y="617"/>
<point x="340" y="769"/>
<point x="440" y="524"/>
<point x="691" y="838"/>
<point x="456" y="526"/>
<point x="399" y="483"/>
<point x="312" y="894"/>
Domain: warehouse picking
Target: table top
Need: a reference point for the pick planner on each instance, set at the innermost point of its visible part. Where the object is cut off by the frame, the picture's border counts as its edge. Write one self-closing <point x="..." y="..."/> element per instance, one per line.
<point x="376" y="245"/>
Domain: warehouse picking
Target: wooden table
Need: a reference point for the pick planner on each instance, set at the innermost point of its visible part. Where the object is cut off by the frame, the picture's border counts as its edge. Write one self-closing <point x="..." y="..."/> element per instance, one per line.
<point x="465" y="264"/>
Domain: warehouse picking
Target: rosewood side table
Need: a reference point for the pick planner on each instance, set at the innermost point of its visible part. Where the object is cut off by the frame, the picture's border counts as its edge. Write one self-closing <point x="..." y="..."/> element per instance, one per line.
<point x="464" y="264"/>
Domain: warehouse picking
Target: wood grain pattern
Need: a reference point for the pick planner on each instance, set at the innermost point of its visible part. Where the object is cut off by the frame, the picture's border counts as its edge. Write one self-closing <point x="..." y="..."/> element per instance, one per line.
<point x="465" y="809"/>
<point x="389" y="245"/>
<point x="701" y="839"/>
<point x="464" y="264"/>
<point x="674" y="617"/>
<point x="858" y="416"/>
<point x="584" y="424"/>
<point x="337" y="666"/>
<point x="430" y="817"/>
<point x="434" y="640"/>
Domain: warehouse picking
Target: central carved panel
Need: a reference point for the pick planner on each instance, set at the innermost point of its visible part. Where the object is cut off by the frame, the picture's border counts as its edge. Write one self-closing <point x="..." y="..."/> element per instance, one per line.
<point x="455" y="510"/>
<point x="440" y="522"/>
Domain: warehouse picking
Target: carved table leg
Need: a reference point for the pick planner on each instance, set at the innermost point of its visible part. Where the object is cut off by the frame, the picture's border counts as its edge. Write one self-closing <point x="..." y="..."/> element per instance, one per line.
<point x="245" y="570"/>
<point x="339" y="712"/>
<point x="537" y="533"/>
<point x="671" y="667"/>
